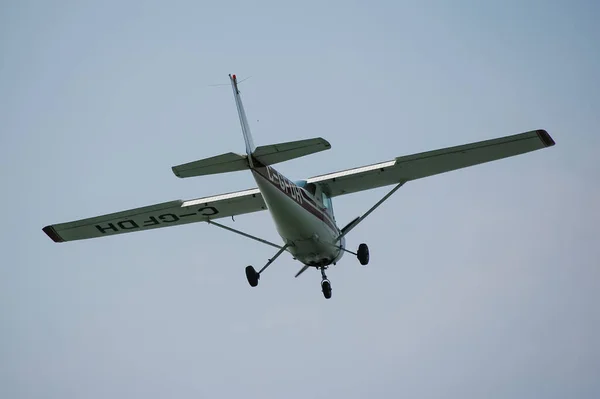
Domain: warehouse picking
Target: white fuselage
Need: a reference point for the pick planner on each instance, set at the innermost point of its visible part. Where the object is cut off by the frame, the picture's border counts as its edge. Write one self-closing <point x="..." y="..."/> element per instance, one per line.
<point x="301" y="220"/>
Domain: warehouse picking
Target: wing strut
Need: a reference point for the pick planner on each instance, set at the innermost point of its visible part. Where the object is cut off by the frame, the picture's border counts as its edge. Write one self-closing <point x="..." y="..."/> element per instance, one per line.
<point x="245" y="234"/>
<point x="359" y="219"/>
<point x="273" y="258"/>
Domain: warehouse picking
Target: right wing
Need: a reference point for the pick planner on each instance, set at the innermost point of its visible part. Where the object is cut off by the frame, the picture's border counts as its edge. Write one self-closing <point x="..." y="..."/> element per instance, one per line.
<point x="160" y="215"/>
<point x="417" y="166"/>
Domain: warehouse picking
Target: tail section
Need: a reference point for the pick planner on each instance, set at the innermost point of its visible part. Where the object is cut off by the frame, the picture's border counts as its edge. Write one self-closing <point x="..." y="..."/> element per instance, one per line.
<point x="243" y="120"/>
<point x="263" y="155"/>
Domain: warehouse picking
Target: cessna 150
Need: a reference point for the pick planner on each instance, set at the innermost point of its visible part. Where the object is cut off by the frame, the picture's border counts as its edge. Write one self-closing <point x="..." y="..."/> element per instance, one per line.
<point x="302" y="210"/>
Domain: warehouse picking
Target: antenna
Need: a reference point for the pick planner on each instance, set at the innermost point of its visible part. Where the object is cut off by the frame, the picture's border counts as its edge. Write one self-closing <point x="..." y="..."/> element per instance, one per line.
<point x="227" y="84"/>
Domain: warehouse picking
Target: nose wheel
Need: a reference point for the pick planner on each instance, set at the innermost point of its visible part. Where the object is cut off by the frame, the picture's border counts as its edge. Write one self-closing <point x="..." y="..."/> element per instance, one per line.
<point x="325" y="285"/>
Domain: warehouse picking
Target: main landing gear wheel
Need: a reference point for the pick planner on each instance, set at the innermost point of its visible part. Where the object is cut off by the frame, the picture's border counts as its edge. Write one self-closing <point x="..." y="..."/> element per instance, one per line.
<point x="252" y="276"/>
<point x="363" y="254"/>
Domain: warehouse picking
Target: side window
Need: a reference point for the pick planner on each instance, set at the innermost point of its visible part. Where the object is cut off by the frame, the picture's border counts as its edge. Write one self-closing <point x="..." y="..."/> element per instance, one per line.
<point x="326" y="201"/>
<point x="311" y="188"/>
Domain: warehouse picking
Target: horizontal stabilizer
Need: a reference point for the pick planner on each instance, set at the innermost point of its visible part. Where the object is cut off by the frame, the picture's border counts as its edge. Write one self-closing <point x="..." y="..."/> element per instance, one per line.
<point x="275" y="153"/>
<point x="229" y="162"/>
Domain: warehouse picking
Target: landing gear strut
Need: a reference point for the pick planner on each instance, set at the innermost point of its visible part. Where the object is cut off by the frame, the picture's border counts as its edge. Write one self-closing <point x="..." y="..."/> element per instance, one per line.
<point x="325" y="284"/>
<point x="253" y="276"/>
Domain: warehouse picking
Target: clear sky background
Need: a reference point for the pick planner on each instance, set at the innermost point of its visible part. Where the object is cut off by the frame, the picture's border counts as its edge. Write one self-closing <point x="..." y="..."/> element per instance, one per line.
<point x="483" y="282"/>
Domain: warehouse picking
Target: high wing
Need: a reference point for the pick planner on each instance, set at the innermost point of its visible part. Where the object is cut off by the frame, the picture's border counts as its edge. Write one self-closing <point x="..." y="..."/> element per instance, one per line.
<point x="171" y="213"/>
<point x="417" y="166"/>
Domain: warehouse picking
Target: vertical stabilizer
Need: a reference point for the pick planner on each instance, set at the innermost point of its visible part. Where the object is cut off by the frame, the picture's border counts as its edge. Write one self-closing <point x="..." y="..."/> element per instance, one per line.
<point x="243" y="121"/>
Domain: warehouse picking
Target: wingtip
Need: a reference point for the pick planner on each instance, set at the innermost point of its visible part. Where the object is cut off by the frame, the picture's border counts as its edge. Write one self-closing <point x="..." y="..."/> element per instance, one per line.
<point x="326" y="143"/>
<point x="176" y="171"/>
<point x="545" y="138"/>
<point x="50" y="232"/>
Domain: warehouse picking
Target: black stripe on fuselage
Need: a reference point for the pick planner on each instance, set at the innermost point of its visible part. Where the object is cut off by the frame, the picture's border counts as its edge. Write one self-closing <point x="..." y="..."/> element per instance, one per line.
<point x="305" y="201"/>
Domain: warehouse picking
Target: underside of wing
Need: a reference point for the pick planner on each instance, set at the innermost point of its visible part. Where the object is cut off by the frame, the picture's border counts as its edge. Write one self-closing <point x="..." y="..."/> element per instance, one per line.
<point x="417" y="166"/>
<point x="171" y="213"/>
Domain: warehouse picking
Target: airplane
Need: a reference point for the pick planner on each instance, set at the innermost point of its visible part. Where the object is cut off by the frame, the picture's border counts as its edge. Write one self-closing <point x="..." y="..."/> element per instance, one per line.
<point x="302" y="210"/>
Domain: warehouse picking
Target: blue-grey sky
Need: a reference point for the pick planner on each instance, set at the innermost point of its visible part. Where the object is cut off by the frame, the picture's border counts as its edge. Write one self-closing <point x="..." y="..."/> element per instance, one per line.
<point x="483" y="282"/>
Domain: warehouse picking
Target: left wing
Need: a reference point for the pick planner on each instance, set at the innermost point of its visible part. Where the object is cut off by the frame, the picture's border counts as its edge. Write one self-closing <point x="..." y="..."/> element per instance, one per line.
<point x="170" y="213"/>
<point x="417" y="166"/>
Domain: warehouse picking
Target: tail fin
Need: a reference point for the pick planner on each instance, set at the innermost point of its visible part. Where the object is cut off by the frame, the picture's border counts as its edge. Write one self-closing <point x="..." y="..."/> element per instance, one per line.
<point x="243" y="121"/>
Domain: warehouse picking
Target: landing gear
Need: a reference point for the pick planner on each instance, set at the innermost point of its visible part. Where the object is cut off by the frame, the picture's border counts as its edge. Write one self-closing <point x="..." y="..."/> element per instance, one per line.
<point x="363" y="254"/>
<point x="325" y="285"/>
<point x="252" y="276"/>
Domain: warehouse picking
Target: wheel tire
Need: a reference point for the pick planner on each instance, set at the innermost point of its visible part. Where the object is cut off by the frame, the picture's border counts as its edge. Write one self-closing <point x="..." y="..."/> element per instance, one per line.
<point x="363" y="254"/>
<point x="252" y="276"/>
<point x="326" y="288"/>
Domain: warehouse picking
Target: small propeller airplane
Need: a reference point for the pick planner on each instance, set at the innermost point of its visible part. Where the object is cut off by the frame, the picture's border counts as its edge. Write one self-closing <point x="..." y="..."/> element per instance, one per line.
<point x="302" y="210"/>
